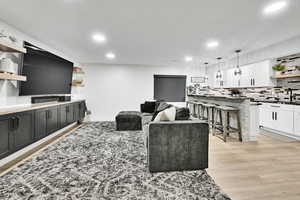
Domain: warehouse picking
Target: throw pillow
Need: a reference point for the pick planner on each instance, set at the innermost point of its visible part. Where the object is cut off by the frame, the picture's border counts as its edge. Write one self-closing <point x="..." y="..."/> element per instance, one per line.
<point x="182" y="114"/>
<point x="166" y="115"/>
<point x="162" y="106"/>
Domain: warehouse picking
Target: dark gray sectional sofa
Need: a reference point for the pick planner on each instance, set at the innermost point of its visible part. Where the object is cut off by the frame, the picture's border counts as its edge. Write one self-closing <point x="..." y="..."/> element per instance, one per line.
<point x="175" y="145"/>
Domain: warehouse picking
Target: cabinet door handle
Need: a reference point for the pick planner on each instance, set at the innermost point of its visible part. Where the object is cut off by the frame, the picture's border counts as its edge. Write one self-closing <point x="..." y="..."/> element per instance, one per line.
<point x="275" y="115"/>
<point x="12" y="124"/>
<point x="272" y="115"/>
<point x="254" y="82"/>
<point x="17" y="122"/>
<point x="275" y="106"/>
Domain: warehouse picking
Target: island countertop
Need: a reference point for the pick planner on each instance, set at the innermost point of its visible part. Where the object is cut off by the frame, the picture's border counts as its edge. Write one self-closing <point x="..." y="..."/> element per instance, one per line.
<point x="224" y="97"/>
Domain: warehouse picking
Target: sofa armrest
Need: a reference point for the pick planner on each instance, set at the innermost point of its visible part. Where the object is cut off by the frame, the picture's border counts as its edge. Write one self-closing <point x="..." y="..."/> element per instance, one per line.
<point x="177" y="145"/>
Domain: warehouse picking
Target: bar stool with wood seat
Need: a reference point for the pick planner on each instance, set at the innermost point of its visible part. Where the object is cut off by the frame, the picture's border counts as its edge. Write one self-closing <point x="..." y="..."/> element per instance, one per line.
<point x="192" y="106"/>
<point x="210" y="109"/>
<point x="223" y="125"/>
<point x="199" y="106"/>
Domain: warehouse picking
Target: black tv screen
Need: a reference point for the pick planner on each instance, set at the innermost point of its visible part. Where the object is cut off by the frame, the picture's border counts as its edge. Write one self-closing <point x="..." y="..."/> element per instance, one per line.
<point x="46" y="73"/>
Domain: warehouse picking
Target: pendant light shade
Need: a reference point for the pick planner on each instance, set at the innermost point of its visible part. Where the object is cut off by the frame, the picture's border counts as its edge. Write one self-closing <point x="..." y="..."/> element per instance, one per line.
<point x="206" y="74"/>
<point x="238" y="70"/>
<point x="219" y="73"/>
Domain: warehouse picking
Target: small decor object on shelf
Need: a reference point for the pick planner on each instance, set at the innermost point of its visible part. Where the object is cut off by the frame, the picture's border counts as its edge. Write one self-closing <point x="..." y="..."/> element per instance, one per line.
<point x="298" y="68"/>
<point x="279" y="68"/>
<point x="197" y="79"/>
<point x="78" y="77"/>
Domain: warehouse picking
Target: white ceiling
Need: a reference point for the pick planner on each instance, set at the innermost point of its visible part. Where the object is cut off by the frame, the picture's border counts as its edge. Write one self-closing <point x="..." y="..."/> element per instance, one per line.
<point x="151" y="31"/>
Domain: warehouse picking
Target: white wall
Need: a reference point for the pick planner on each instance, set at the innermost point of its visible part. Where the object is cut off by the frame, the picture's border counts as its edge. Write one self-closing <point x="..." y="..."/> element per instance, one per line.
<point x="9" y="93"/>
<point x="284" y="48"/>
<point x="113" y="88"/>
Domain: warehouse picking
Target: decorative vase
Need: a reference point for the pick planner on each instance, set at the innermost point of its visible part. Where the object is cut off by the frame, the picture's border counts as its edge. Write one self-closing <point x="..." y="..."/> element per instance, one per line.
<point x="278" y="73"/>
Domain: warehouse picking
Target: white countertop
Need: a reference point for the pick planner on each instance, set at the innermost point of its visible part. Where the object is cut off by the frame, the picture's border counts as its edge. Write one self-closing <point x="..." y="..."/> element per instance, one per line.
<point x="23" y="108"/>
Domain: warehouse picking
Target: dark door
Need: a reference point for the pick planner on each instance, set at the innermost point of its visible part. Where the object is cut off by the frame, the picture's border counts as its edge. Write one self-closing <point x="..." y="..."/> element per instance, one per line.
<point x="24" y="130"/>
<point x="70" y="114"/>
<point x="52" y="120"/>
<point x="63" y="116"/>
<point x="40" y="124"/>
<point x="5" y="140"/>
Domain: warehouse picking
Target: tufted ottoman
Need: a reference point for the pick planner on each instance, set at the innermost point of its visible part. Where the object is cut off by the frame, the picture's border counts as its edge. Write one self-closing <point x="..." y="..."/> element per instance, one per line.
<point x="129" y="121"/>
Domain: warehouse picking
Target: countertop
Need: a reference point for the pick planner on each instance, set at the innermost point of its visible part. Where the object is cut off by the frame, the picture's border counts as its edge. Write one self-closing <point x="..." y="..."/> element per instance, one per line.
<point x="242" y="98"/>
<point x="277" y="102"/>
<point x="16" y="109"/>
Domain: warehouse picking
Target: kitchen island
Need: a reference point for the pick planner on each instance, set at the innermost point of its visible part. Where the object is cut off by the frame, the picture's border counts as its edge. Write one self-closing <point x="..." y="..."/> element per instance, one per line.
<point x="249" y="112"/>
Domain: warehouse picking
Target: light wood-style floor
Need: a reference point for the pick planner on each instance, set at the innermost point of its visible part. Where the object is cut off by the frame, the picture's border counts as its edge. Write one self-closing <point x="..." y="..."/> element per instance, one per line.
<point x="265" y="170"/>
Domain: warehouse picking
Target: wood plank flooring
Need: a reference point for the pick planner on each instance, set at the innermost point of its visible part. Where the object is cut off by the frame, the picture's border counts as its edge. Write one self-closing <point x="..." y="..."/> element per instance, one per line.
<point x="268" y="169"/>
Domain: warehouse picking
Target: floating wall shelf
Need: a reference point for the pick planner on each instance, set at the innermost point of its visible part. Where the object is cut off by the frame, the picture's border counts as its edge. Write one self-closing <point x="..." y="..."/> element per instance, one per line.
<point x="287" y="76"/>
<point x="12" y="77"/>
<point x="77" y="70"/>
<point x="6" y="46"/>
<point x="77" y="84"/>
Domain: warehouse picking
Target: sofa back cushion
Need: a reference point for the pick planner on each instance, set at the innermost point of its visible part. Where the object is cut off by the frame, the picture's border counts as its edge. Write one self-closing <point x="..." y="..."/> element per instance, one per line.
<point x="182" y="114"/>
<point x="149" y="107"/>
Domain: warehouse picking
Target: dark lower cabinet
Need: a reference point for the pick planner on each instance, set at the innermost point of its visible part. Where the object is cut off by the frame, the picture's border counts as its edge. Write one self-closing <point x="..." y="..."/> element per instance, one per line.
<point x="40" y="124"/>
<point x="82" y="110"/>
<point x="23" y="133"/>
<point x="70" y="114"/>
<point x="63" y="116"/>
<point x="46" y="122"/>
<point x="21" y="129"/>
<point x="16" y="132"/>
<point x="5" y="140"/>
<point x="52" y="120"/>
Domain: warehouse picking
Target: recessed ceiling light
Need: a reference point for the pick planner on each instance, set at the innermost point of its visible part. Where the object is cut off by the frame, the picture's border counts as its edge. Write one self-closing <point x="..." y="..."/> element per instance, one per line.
<point x="110" y="56"/>
<point x="188" y="58"/>
<point x="212" y="44"/>
<point x="274" y="7"/>
<point x="98" y="37"/>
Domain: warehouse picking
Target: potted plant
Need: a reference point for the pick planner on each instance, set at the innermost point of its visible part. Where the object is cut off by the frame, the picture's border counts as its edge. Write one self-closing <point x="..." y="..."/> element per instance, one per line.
<point x="278" y="68"/>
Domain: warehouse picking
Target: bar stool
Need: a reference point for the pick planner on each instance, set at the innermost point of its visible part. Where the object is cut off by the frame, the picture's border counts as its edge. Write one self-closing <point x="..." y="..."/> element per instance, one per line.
<point x="192" y="106"/>
<point x="199" y="108"/>
<point x="210" y="109"/>
<point x="224" y="125"/>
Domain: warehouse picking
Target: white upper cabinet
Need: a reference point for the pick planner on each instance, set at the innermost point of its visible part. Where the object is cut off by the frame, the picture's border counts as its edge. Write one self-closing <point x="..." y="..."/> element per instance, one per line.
<point x="253" y="75"/>
<point x="262" y="73"/>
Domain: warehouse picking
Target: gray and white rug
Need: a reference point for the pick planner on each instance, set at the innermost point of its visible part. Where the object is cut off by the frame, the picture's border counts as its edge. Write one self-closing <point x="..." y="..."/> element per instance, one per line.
<point x="97" y="162"/>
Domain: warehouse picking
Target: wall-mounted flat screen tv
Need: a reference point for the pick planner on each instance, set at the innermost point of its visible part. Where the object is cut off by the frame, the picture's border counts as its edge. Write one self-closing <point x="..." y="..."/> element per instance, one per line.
<point x="46" y="73"/>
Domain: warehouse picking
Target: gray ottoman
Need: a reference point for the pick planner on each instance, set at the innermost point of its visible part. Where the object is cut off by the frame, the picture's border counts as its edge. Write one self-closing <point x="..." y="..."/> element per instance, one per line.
<point x="129" y="121"/>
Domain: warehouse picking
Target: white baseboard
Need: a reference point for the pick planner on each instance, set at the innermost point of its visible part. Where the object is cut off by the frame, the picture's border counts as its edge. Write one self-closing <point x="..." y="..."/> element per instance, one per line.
<point x="281" y="133"/>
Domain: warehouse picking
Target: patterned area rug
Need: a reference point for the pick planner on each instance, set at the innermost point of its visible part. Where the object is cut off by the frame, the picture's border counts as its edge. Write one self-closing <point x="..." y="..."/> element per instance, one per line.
<point x="97" y="162"/>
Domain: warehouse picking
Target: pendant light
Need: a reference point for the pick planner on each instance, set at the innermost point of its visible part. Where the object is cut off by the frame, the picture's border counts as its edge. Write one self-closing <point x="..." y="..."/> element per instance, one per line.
<point x="219" y="73"/>
<point x="206" y="74"/>
<point x="238" y="70"/>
